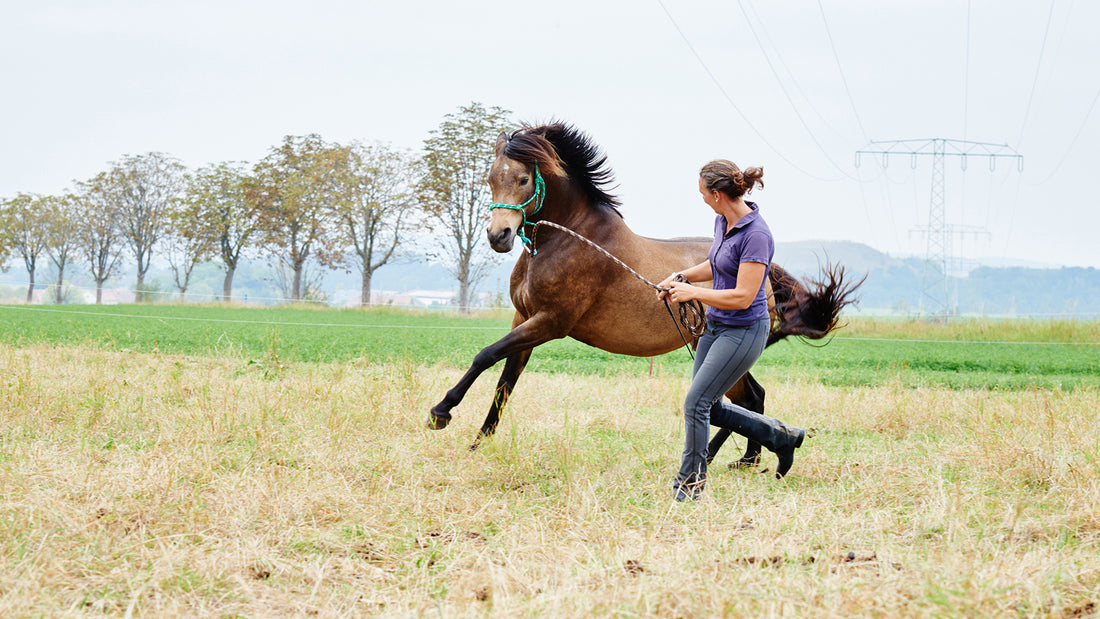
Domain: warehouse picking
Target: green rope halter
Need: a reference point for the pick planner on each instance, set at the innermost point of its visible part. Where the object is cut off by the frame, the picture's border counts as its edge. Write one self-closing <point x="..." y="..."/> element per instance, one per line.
<point x="538" y="197"/>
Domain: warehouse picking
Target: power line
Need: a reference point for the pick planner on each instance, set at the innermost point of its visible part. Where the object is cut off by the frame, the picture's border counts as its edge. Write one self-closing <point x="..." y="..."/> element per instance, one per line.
<point x="790" y="74"/>
<point x="1035" y="80"/>
<point x="843" y="79"/>
<point x="1088" y="112"/>
<point x="1073" y="142"/>
<point x="786" y="94"/>
<point x="966" y="73"/>
<point x="729" y="99"/>
<point x="889" y="209"/>
<point x="1012" y="215"/>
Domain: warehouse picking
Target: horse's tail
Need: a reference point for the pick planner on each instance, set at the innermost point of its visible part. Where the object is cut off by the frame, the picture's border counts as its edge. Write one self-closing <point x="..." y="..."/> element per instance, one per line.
<point x="811" y="307"/>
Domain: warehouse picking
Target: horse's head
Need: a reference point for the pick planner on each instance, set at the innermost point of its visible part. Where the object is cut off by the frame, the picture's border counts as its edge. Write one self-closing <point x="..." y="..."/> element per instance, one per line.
<point x="530" y="158"/>
<point x="518" y="191"/>
<point x="512" y="184"/>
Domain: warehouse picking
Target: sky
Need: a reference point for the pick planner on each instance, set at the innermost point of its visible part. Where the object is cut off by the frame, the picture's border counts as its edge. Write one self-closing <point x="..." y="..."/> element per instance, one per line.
<point x="662" y="86"/>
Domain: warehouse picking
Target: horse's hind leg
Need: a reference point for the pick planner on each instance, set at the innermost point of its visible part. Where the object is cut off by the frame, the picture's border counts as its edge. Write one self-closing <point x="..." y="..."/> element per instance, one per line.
<point x="513" y="367"/>
<point x="749" y="394"/>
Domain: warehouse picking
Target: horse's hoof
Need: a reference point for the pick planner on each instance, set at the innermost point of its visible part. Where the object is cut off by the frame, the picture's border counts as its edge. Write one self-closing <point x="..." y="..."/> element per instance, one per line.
<point x="745" y="462"/>
<point x="437" y="421"/>
<point x="750" y="459"/>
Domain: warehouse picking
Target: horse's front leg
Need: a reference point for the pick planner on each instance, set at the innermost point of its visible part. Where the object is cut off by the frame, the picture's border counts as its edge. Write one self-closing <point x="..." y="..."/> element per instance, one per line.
<point x="535" y="331"/>
<point x="513" y="367"/>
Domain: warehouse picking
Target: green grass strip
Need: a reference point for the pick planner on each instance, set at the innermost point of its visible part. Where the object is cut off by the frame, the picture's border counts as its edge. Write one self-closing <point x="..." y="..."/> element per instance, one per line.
<point x="1002" y="355"/>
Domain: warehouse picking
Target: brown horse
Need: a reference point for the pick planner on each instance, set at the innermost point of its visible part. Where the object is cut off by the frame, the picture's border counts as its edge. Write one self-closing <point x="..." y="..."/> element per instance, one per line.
<point x="564" y="287"/>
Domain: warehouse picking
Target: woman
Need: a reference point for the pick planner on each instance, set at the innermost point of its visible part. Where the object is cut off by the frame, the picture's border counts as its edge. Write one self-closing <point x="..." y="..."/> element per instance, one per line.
<point x="737" y="325"/>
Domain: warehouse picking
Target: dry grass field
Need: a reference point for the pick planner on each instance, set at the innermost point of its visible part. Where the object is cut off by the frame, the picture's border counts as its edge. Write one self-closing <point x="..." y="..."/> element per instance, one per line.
<point x="156" y="485"/>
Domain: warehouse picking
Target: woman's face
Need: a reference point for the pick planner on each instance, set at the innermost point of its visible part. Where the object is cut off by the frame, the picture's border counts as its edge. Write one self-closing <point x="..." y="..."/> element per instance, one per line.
<point x="708" y="195"/>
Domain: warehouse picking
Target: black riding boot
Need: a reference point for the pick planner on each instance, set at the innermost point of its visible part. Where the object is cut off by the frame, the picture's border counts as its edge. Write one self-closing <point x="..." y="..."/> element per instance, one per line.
<point x="777" y="436"/>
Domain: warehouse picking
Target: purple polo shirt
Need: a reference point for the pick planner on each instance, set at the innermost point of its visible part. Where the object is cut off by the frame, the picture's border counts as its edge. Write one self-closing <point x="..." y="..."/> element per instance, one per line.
<point x="750" y="240"/>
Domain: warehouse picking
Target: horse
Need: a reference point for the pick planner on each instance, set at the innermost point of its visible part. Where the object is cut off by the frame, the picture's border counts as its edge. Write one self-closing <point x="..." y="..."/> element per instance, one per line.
<point x="549" y="188"/>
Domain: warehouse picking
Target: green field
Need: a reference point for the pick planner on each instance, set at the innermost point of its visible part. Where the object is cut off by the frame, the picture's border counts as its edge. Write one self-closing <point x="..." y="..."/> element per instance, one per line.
<point x="965" y="354"/>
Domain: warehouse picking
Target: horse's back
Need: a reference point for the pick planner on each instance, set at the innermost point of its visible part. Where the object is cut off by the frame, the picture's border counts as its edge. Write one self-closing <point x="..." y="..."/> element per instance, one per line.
<point x="679" y="239"/>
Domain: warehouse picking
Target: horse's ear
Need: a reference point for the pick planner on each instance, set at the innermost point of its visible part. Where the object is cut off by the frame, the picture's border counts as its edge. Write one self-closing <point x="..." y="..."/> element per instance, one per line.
<point x="502" y="139"/>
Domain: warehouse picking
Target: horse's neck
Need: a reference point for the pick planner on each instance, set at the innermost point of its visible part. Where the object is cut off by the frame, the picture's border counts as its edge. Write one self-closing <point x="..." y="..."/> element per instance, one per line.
<point x="574" y="211"/>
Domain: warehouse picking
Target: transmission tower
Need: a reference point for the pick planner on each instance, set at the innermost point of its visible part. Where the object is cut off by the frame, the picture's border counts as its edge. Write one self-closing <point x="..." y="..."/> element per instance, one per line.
<point x="939" y="255"/>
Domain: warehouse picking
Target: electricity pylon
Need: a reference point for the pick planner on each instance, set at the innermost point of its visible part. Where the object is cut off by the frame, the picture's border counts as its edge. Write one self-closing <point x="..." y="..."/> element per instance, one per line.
<point x="939" y="252"/>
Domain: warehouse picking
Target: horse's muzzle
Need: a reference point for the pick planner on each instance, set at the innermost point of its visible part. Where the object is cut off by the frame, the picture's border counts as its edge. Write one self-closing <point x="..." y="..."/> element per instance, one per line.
<point x="501" y="240"/>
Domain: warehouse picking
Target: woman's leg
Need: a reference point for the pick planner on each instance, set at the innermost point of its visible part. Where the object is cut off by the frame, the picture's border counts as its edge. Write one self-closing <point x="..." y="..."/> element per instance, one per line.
<point x="689" y="478"/>
<point x="768" y="431"/>
<point x="777" y="436"/>
<point x="725" y="353"/>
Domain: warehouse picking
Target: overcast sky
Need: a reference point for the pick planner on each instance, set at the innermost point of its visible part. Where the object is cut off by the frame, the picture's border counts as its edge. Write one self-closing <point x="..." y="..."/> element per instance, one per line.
<point x="661" y="88"/>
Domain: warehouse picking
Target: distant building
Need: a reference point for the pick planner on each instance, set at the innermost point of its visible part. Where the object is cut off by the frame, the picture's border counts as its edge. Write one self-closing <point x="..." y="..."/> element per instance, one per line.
<point x="111" y="296"/>
<point x="425" y="298"/>
<point x="422" y="299"/>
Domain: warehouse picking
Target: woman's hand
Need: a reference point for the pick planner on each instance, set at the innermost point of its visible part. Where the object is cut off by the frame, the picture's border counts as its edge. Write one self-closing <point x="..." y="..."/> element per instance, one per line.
<point x="666" y="283"/>
<point x="682" y="292"/>
<point x="661" y="293"/>
<point x="699" y="273"/>
<point x="678" y="290"/>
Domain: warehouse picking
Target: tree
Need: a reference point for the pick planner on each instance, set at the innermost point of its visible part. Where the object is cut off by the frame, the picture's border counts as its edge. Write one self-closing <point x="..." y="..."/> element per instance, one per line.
<point x="295" y="191"/>
<point x="310" y="281"/>
<point x="100" y="238"/>
<point x="184" y="247"/>
<point x="7" y="225"/>
<point x="28" y="232"/>
<point x="374" y="213"/>
<point x="143" y="188"/>
<point x="453" y="190"/>
<point x="214" y="203"/>
<point x="63" y="238"/>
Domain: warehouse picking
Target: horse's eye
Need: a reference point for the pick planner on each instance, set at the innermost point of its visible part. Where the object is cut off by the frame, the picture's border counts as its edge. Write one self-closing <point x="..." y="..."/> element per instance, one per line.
<point x="523" y="181"/>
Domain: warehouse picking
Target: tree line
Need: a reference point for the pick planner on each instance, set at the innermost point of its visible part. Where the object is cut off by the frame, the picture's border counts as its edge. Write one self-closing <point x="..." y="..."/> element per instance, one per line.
<point x="342" y="205"/>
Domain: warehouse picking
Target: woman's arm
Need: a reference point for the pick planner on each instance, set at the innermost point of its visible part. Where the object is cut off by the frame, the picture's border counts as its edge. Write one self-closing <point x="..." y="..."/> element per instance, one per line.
<point x="750" y="276"/>
<point x="699" y="273"/>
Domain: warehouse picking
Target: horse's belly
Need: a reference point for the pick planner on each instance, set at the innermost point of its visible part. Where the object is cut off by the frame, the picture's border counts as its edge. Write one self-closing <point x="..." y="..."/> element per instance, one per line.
<point x="638" y="336"/>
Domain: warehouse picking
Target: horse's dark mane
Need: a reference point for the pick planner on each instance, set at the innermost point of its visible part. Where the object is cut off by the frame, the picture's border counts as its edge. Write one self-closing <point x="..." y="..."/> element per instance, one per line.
<point x="559" y="146"/>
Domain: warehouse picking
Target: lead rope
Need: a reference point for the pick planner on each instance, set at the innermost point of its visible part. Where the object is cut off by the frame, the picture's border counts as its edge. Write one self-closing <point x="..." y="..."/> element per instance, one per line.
<point x="692" y="314"/>
<point x="696" y="324"/>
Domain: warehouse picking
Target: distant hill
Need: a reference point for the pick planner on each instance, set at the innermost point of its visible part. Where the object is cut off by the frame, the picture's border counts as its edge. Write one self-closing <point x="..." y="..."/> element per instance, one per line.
<point x="894" y="284"/>
<point x="808" y="256"/>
